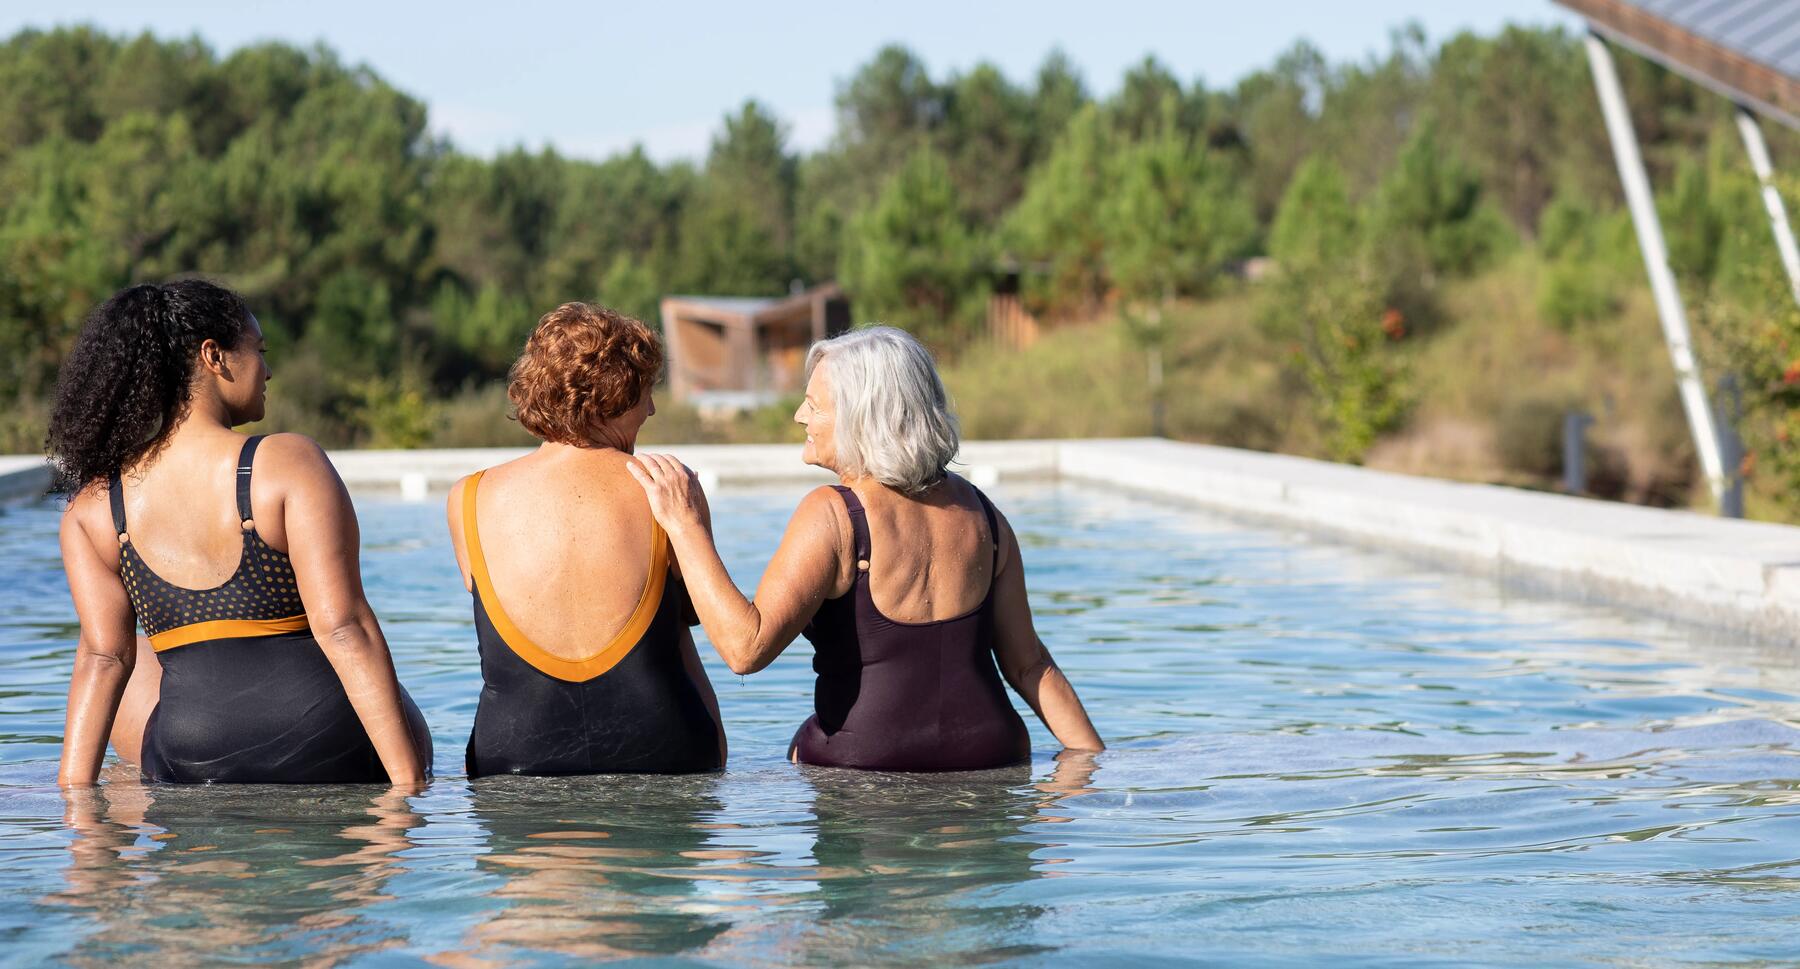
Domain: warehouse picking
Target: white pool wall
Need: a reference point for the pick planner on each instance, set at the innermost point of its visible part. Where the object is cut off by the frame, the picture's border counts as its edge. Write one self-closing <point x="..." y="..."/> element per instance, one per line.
<point x="23" y="476"/>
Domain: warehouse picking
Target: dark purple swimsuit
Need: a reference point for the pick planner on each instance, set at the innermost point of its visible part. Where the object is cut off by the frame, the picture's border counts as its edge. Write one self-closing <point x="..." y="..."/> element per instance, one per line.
<point x="905" y="696"/>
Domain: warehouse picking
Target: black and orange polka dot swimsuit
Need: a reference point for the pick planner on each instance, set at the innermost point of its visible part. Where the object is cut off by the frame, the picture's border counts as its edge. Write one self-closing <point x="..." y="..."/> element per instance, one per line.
<point x="260" y="599"/>
<point x="247" y="694"/>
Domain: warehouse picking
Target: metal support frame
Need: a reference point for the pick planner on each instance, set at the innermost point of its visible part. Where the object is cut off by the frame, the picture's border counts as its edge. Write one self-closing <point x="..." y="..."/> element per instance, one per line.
<point x="1656" y="262"/>
<point x="1765" y="173"/>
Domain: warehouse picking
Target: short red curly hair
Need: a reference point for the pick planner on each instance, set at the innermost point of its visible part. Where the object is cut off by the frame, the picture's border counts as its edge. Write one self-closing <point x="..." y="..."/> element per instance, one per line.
<point x="584" y="365"/>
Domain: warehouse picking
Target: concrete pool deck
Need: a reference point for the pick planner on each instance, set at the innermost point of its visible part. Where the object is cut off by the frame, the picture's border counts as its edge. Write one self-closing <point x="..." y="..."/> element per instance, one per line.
<point x="23" y="476"/>
<point x="1743" y="576"/>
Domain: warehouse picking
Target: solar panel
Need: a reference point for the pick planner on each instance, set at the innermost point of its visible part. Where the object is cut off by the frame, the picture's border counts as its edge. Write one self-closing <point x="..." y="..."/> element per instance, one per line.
<point x="1746" y="50"/>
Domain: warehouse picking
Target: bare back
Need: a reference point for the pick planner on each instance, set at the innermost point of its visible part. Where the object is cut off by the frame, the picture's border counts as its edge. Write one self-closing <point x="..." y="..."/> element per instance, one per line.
<point x="931" y="556"/>
<point x="566" y="536"/>
<point x="182" y="509"/>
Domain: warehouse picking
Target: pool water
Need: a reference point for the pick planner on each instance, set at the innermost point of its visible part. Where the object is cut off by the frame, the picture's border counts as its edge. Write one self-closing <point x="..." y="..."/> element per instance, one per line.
<point x="1317" y="754"/>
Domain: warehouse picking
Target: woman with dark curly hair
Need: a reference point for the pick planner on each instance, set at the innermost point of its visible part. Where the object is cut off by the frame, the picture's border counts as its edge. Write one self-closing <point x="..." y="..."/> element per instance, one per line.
<point x="263" y="662"/>
<point x="581" y="618"/>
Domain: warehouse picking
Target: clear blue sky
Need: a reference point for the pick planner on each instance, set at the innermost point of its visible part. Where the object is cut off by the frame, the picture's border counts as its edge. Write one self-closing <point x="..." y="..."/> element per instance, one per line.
<point x="594" y="78"/>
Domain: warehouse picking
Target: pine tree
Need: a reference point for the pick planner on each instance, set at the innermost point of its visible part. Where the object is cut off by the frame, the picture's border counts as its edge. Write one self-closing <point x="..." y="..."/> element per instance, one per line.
<point x="909" y="259"/>
<point x="1056" y="231"/>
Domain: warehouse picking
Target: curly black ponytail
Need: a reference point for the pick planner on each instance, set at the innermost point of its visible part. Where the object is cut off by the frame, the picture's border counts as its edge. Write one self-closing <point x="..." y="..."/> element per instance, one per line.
<point x="125" y="385"/>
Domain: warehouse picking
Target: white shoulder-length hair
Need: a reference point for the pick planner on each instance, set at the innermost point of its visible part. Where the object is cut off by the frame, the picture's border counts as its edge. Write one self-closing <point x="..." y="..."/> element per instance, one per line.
<point x="893" y="418"/>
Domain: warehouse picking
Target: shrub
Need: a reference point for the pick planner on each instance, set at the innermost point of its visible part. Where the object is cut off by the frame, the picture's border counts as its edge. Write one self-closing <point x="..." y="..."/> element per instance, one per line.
<point x="1528" y="433"/>
<point x="1575" y="292"/>
<point x="1331" y="302"/>
<point x="391" y="412"/>
<point x="477" y="416"/>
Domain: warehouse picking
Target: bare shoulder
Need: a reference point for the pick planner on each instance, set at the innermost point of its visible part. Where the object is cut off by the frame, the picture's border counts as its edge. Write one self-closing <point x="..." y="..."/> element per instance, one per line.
<point x="1005" y="542"/>
<point x="820" y="497"/>
<point x="1003" y="526"/>
<point x="453" y="511"/>
<point x="294" y="454"/>
<point x="88" y="514"/>
<point x="453" y="501"/>
<point x="293" y="468"/>
<point x="822" y="503"/>
<point x="523" y="464"/>
<point x="820" y="508"/>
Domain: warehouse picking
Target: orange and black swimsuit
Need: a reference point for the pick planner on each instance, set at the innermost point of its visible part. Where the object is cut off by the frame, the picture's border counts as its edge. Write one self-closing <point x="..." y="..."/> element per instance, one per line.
<point x="629" y="707"/>
<point x="247" y="694"/>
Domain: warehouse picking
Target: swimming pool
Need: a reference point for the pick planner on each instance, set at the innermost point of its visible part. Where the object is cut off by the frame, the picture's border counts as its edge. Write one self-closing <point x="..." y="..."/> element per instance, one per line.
<point x="1317" y="754"/>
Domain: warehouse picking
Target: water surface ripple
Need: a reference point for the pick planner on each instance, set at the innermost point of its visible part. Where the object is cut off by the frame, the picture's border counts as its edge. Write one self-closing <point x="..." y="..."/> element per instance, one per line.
<point x="1317" y="753"/>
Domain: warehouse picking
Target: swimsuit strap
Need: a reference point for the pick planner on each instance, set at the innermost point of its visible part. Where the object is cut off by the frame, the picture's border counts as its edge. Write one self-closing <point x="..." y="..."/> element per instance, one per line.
<point x="115" y="495"/>
<point x="245" y="457"/>
<point x="115" y="490"/>
<point x="859" y="527"/>
<point x="637" y="625"/>
<point x="993" y="528"/>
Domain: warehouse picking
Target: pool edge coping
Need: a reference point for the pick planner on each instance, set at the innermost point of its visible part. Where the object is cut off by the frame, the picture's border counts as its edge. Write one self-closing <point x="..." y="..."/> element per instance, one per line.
<point x="1680" y="565"/>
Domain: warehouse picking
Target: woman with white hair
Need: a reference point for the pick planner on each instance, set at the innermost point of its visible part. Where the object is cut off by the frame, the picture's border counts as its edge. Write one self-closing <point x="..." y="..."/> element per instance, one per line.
<point x="905" y="578"/>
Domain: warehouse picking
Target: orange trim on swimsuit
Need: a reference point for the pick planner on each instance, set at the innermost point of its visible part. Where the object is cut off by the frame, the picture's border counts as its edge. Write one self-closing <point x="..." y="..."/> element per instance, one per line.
<point x="225" y="629"/>
<point x="573" y="671"/>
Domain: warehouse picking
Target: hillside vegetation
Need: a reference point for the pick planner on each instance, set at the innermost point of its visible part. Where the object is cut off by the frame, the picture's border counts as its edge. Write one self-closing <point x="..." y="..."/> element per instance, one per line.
<point x="1452" y="267"/>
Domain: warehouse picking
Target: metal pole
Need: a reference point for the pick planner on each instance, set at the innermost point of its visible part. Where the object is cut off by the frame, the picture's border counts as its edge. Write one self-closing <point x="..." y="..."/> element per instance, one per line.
<point x="1575" y="425"/>
<point x="1731" y="402"/>
<point x="1656" y="263"/>
<point x="1778" y="217"/>
<point x="1156" y="393"/>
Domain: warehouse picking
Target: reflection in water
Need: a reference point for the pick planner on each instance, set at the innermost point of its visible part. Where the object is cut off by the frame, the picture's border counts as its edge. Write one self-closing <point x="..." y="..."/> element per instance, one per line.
<point x="618" y="867"/>
<point x="585" y="868"/>
<point x="593" y="867"/>
<point x="167" y="872"/>
<point x="930" y="858"/>
<point x="1315" y="751"/>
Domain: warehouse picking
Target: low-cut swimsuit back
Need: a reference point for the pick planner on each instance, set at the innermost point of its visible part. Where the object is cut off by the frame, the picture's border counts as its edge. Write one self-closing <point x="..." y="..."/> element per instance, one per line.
<point x="628" y="707"/>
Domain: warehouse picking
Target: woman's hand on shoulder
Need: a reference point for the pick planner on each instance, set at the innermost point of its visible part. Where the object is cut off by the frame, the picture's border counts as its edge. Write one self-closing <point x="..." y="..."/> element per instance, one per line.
<point x="676" y="498"/>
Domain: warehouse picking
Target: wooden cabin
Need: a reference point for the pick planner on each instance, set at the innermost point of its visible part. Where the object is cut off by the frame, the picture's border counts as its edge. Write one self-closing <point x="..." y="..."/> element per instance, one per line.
<point x="747" y="350"/>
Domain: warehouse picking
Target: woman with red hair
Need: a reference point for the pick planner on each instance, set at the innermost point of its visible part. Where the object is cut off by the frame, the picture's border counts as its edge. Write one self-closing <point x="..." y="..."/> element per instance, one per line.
<point x="587" y="664"/>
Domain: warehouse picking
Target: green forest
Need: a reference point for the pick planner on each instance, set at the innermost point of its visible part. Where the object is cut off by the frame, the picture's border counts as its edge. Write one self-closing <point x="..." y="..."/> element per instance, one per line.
<point x="1416" y="261"/>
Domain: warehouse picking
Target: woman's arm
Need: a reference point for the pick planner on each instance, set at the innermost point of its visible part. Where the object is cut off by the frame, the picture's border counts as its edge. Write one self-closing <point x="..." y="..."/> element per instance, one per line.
<point x="104" y="654"/>
<point x="808" y="568"/>
<point x="1024" y="661"/>
<point x="323" y="544"/>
